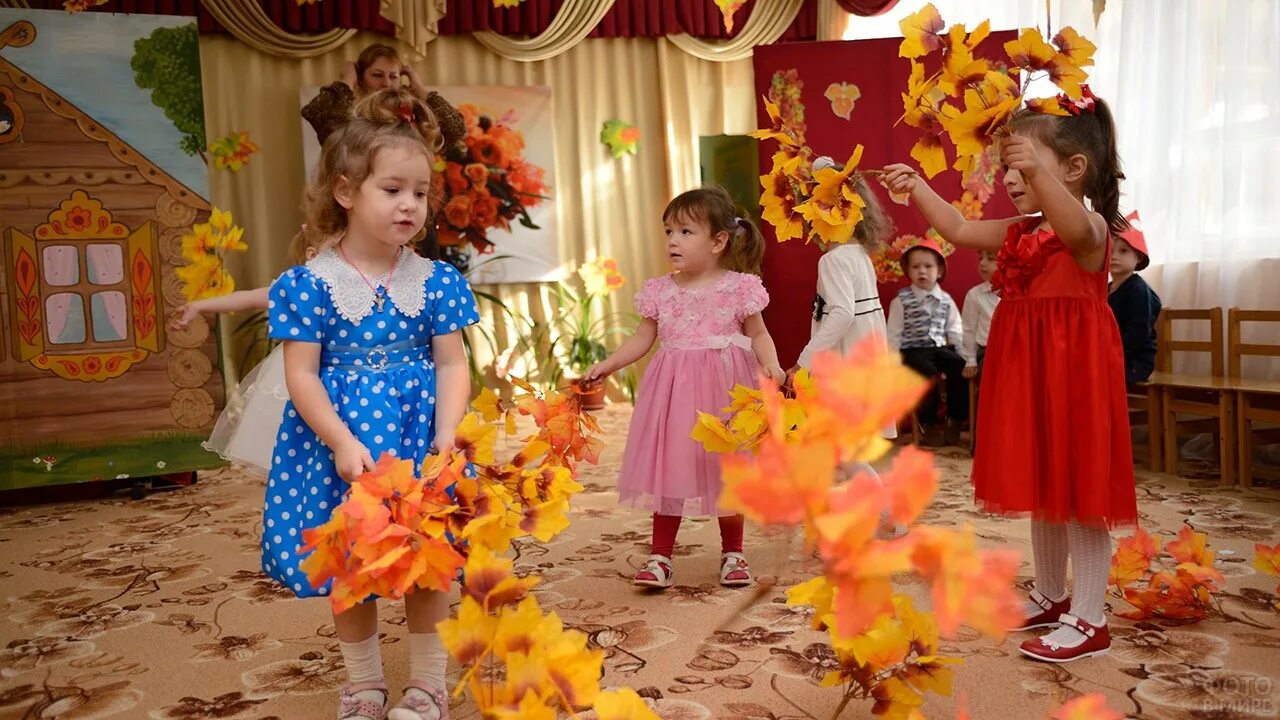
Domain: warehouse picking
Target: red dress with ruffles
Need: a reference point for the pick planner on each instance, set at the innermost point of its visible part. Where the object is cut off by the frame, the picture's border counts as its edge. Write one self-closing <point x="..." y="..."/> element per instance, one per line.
<point x="1054" y="418"/>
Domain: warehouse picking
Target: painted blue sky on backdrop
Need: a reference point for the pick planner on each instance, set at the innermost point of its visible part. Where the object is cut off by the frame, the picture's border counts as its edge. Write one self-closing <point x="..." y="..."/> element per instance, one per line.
<point x="85" y="58"/>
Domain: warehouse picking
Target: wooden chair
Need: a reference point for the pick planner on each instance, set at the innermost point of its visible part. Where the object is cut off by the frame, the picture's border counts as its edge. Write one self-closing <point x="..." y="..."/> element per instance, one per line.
<point x="1256" y="400"/>
<point x="1144" y="409"/>
<point x="1210" y="398"/>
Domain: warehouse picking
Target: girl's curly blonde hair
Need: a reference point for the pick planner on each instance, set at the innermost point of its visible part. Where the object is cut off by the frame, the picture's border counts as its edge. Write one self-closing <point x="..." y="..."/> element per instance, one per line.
<point x="387" y="118"/>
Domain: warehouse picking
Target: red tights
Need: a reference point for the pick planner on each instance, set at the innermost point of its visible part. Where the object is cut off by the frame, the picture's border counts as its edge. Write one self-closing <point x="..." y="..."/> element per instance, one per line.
<point x="666" y="526"/>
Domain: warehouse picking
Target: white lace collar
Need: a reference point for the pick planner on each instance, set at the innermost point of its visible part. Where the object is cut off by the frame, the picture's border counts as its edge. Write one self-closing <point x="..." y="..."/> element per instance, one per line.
<point x="353" y="297"/>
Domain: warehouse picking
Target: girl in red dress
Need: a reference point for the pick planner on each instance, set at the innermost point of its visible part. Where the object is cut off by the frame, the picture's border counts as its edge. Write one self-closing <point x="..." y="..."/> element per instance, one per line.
<point x="1055" y="429"/>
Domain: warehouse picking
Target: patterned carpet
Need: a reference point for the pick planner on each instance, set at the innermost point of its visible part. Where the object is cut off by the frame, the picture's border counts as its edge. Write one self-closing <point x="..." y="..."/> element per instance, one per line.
<point x="155" y="609"/>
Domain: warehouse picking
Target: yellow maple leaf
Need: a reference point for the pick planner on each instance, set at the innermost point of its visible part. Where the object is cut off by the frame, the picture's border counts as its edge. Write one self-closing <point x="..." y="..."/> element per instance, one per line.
<point x="727" y="9"/>
<point x="524" y="628"/>
<point x="928" y="151"/>
<point x="491" y="580"/>
<point x="1074" y="46"/>
<point x="488" y="405"/>
<point x="1067" y="75"/>
<point x="476" y="439"/>
<point x="532" y="707"/>
<point x="818" y="593"/>
<point x="623" y="704"/>
<point x="920" y="32"/>
<point x="711" y="432"/>
<point x="1046" y="106"/>
<point x="1030" y="51"/>
<point x="545" y="520"/>
<point x="778" y="201"/>
<point x="469" y="636"/>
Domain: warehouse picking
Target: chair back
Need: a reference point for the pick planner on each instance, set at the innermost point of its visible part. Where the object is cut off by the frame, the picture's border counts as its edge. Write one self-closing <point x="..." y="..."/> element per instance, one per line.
<point x="1238" y="350"/>
<point x="1167" y="344"/>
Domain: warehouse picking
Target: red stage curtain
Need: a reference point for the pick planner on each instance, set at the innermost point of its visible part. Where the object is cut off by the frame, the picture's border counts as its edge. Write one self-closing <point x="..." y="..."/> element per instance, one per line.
<point x="867" y="8"/>
<point x="627" y="18"/>
<point x="317" y="18"/>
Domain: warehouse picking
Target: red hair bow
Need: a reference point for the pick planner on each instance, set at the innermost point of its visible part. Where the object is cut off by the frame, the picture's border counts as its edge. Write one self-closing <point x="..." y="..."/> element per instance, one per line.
<point x="1086" y="103"/>
<point x="406" y="112"/>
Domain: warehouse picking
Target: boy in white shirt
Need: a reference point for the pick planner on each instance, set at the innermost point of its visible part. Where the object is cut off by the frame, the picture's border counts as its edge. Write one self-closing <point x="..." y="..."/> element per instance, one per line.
<point x="925" y="326"/>
<point x="979" y="306"/>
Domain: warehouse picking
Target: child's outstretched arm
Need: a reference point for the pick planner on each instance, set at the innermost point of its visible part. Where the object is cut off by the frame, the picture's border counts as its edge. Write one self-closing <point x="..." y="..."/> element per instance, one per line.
<point x="302" y="377"/>
<point x="1081" y="230"/>
<point x="453" y="386"/>
<point x="636" y="347"/>
<point x="238" y="301"/>
<point x="762" y="344"/>
<point x="946" y="219"/>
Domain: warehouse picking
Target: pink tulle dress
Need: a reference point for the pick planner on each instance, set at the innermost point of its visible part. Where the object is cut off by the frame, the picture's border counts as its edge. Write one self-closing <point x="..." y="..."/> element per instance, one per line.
<point x="702" y="354"/>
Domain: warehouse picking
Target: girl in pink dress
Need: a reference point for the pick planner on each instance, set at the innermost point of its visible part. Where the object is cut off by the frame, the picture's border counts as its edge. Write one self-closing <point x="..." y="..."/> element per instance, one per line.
<point x="707" y="315"/>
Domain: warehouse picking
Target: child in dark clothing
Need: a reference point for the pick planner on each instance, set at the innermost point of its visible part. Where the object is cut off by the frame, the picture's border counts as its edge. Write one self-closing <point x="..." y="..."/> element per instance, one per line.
<point x="1133" y="302"/>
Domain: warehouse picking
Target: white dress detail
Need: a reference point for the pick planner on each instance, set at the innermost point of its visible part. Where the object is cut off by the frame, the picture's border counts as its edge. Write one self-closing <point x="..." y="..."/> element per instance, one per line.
<point x="245" y="433"/>
<point x="354" y="299"/>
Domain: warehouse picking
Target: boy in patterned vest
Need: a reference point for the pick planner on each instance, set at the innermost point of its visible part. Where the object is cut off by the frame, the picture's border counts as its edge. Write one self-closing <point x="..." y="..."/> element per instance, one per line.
<point x="924" y="325"/>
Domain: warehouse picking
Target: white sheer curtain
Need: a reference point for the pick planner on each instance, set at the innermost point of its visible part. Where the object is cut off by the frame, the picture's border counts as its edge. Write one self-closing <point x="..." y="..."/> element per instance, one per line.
<point x="1195" y="87"/>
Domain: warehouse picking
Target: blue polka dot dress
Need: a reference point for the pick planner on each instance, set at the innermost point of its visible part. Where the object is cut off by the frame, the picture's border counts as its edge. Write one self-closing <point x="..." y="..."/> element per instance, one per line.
<point x="375" y="363"/>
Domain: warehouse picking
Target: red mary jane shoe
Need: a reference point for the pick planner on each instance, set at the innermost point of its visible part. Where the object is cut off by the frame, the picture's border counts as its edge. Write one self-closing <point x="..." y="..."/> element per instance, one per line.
<point x="1049" y="614"/>
<point x="1097" y="642"/>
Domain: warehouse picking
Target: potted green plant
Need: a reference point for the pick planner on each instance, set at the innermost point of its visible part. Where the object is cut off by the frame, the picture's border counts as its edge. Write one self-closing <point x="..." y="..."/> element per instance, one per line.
<point x="575" y="337"/>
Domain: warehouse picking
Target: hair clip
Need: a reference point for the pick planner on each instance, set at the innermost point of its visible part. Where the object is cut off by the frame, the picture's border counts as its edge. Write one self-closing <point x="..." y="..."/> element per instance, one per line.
<point x="1086" y="103"/>
<point x="406" y="111"/>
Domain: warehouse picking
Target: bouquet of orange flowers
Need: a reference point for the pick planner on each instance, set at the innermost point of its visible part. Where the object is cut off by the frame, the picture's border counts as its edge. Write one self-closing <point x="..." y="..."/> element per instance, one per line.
<point x="487" y="182"/>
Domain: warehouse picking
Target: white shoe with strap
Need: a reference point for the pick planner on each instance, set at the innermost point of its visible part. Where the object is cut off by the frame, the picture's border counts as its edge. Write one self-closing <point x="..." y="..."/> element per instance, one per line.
<point x="656" y="573"/>
<point x="734" y="570"/>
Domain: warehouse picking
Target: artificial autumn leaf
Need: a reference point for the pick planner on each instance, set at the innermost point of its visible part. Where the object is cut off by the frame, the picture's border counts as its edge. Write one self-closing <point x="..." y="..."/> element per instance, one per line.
<point x="233" y="151"/>
<point x="532" y="706"/>
<point x="468" y="636"/>
<point x="1077" y="48"/>
<point x="929" y="153"/>
<point x="911" y="484"/>
<point x="600" y="276"/>
<point x="75" y="6"/>
<point x="1066" y="75"/>
<point x="895" y="700"/>
<point x="835" y="207"/>
<point x="1266" y="560"/>
<point x="506" y="3"/>
<point x="491" y="580"/>
<point x="622" y="704"/>
<point x="488" y="405"/>
<point x="1029" y="51"/>
<point x="622" y="138"/>
<point x="1046" y="106"/>
<point x="728" y="8"/>
<point x="1191" y="547"/>
<point x="476" y="438"/>
<point x="713" y="435"/>
<point x="970" y="586"/>
<point x="1087" y="707"/>
<point x="920" y="32"/>
<point x="545" y="520"/>
<point x="782" y="485"/>
<point x="524" y="628"/>
<point x="1133" y="558"/>
<point x="778" y="201"/>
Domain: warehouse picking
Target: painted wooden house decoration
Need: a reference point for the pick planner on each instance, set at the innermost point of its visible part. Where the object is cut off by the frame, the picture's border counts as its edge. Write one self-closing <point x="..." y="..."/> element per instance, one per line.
<point x="92" y="383"/>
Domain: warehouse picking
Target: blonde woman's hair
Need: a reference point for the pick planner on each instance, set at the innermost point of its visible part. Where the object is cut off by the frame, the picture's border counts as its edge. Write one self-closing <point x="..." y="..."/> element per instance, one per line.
<point x="387" y="118"/>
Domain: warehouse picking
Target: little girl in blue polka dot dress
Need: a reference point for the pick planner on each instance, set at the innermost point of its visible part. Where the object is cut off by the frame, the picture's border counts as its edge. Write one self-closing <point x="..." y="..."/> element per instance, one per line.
<point x="375" y="364"/>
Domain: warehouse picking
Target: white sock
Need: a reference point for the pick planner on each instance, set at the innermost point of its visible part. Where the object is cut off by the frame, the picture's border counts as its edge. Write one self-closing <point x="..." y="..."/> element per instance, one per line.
<point x="1090" y="565"/>
<point x="1050" y="551"/>
<point x="364" y="665"/>
<point x="427" y="659"/>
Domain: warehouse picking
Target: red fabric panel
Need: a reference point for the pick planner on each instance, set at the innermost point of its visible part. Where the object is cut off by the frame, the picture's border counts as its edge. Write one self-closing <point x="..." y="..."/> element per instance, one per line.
<point x="791" y="268"/>
<point x="318" y="18"/>
<point x="867" y="8"/>
<point x="627" y="18"/>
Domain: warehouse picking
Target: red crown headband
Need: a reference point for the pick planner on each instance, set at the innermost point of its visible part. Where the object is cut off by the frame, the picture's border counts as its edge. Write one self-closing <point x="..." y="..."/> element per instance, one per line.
<point x="1087" y="103"/>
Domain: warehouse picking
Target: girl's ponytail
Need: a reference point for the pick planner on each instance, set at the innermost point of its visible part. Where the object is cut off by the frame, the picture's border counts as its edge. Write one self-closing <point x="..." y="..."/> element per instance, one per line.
<point x="746" y="247"/>
<point x="1103" y="189"/>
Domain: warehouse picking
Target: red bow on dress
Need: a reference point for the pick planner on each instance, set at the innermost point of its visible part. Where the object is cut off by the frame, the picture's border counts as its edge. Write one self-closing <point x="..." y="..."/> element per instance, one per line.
<point x="1086" y="103"/>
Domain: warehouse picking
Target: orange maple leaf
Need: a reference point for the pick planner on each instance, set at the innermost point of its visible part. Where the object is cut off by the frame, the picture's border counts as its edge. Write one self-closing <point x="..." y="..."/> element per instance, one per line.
<point x="1191" y="547"/>
<point x="1266" y="560"/>
<point x="1132" y="558"/>
<point x="782" y="485"/>
<point x="1077" y="48"/>
<point x="1087" y="707"/>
